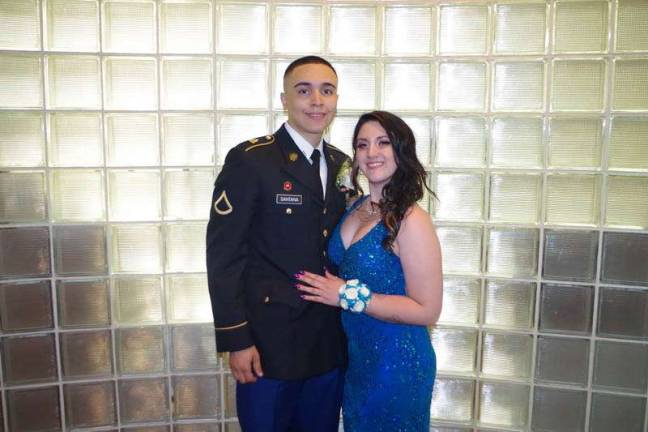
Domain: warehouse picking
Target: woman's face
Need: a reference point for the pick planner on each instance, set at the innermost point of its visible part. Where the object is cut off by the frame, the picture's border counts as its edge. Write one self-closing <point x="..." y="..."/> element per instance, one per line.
<point x="375" y="154"/>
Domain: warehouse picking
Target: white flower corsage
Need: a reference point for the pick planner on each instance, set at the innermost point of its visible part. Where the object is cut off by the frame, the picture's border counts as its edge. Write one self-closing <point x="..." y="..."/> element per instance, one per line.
<point x="343" y="178"/>
<point x="354" y="296"/>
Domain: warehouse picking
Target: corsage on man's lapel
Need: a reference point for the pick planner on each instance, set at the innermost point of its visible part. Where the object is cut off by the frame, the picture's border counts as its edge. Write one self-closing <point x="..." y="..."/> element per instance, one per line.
<point x="343" y="178"/>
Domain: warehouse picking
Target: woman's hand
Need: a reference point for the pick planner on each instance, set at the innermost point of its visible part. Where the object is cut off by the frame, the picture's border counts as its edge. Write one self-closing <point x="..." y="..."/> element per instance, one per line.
<point x="322" y="289"/>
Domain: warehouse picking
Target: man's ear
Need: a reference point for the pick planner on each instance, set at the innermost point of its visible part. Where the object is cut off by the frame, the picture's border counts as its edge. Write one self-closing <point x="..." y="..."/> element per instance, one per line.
<point x="283" y="99"/>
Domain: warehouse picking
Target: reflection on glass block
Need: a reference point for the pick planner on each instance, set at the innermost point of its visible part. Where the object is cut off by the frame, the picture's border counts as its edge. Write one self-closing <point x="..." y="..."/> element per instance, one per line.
<point x="558" y="410"/>
<point x="566" y="308"/>
<point x="132" y="139"/>
<point x="632" y="34"/>
<point x="627" y="201"/>
<point x="509" y="304"/>
<point x="356" y="86"/>
<point x="137" y="300"/>
<point x="80" y="250"/>
<point x="186" y="27"/>
<point x="21" y="139"/>
<point x="462" y="86"/>
<point x="630" y="85"/>
<point x="460" y="196"/>
<point x="134" y="195"/>
<point x="196" y="396"/>
<point x="578" y="85"/>
<point x="22" y="196"/>
<point x="20" y="81"/>
<point x="399" y="94"/>
<point x="572" y="199"/>
<point x="136" y="249"/>
<point x="129" y="26"/>
<point x="575" y="142"/>
<point x="75" y="139"/>
<point x="409" y="31"/>
<point x="455" y="349"/>
<point x="22" y="404"/>
<point x="229" y="390"/>
<point x="188" y="139"/>
<point x="90" y="404"/>
<point x="460" y="142"/>
<point x="297" y="29"/>
<point x="78" y="195"/>
<point x="581" y="26"/>
<point x="460" y="301"/>
<point x="187" y="299"/>
<point x="25" y="306"/>
<point x="72" y="25"/>
<point x="463" y="29"/>
<point x="140" y="350"/>
<point x="143" y="400"/>
<point x="130" y="83"/>
<point x="623" y="313"/>
<point x="184" y="246"/>
<point x="86" y="354"/>
<point x="570" y="255"/>
<point x="234" y="129"/>
<point x="624" y="258"/>
<point x="24" y="252"/>
<point x="506" y="355"/>
<point x="520" y="28"/>
<point x="452" y="400"/>
<point x="243" y="84"/>
<point x="83" y="303"/>
<point x="352" y="30"/>
<point x="610" y="412"/>
<point x="628" y="148"/>
<point x="461" y="249"/>
<point x="186" y="192"/>
<point x="516" y="142"/>
<point x="518" y="86"/>
<point x="563" y="361"/>
<point x="341" y="132"/>
<point x="620" y="367"/>
<point x="73" y="82"/>
<point x="515" y="198"/>
<point x="29" y="359"/>
<point x="186" y="83"/>
<point x="242" y="29"/>
<point x="504" y="404"/>
<point x="193" y="347"/>
<point x="21" y="25"/>
<point x="512" y="252"/>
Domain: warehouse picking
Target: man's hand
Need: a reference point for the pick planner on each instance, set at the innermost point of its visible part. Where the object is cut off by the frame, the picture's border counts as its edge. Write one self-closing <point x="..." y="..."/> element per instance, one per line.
<point x="246" y="365"/>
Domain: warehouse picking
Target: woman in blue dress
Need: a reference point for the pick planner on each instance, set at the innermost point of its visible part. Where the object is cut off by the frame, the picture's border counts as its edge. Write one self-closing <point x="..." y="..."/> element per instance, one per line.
<point x="390" y="283"/>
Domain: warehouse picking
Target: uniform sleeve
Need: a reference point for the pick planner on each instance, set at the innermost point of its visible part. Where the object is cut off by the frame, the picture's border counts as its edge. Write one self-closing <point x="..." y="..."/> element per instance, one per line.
<point x="232" y="210"/>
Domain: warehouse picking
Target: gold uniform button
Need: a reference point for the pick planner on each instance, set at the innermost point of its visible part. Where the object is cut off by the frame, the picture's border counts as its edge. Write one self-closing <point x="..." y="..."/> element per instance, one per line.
<point x="324" y="211"/>
<point x="325" y="233"/>
<point x="288" y="210"/>
<point x="266" y="299"/>
<point x="324" y="253"/>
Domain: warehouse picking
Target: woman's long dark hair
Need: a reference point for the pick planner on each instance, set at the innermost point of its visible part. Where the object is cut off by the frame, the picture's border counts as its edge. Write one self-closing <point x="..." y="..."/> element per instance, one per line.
<point x="407" y="185"/>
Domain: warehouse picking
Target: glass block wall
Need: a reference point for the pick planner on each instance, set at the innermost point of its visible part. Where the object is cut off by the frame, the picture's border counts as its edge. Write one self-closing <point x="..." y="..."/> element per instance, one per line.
<point x="115" y="115"/>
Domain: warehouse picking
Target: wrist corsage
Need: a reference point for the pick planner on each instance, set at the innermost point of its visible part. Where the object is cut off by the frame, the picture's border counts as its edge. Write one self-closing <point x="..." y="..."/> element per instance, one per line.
<point x="354" y="296"/>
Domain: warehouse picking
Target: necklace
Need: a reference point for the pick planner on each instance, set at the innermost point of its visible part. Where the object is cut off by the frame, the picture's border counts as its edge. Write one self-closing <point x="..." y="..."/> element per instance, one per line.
<point x="370" y="210"/>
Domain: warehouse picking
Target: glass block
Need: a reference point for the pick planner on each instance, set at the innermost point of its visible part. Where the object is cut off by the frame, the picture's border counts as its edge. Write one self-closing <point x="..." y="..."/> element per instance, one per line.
<point x="341" y="133"/>
<point x="455" y="349"/>
<point x="25" y="306"/>
<point x="504" y="404"/>
<point x="461" y="249"/>
<point x="506" y="355"/>
<point x="399" y="94"/>
<point x="136" y="249"/>
<point x="24" y="252"/>
<point x="134" y="195"/>
<point x="242" y="29"/>
<point x="90" y="404"/>
<point x="130" y="83"/>
<point x="229" y="391"/>
<point x="80" y="250"/>
<point x="462" y="86"/>
<point x="197" y="427"/>
<point x="352" y="30"/>
<point x="186" y="191"/>
<point x="610" y="412"/>
<point x="193" y="347"/>
<point x="623" y="313"/>
<point x="452" y="400"/>
<point x="184" y="247"/>
<point x="23" y="403"/>
<point x="21" y="24"/>
<point x="627" y="202"/>
<point x="129" y="26"/>
<point x="520" y="28"/>
<point x="29" y="359"/>
<point x="72" y="25"/>
<point x="20" y="81"/>
<point x="460" y="142"/>
<point x="461" y="196"/>
<point x="624" y="258"/>
<point x="143" y="400"/>
<point x="83" y="303"/>
<point x="570" y="255"/>
<point x="86" y="354"/>
<point x="632" y="32"/>
<point x="463" y="29"/>
<point x="562" y="361"/>
<point x="186" y="27"/>
<point x="137" y="300"/>
<point x="21" y="139"/>
<point x="140" y="350"/>
<point x="132" y="140"/>
<point x="620" y="367"/>
<point x="196" y="396"/>
<point x="75" y="139"/>
<point x="628" y="147"/>
<point x="578" y="85"/>
<point x="461" y="301"/>
<point x="188" y="139"/>
<point x="558" y="410"/>
<point x="187" y="299"/>
<point x="518" y="86"/>
<point x="630" y="85"/>
<point x="233" y="129"/>
<point x="581" y="26"/>
<point x="78" y="195"/>
<point x="575" y="142"/>
<point x="357" y="85"/>
<point x="22" y="196"/>
<point x="73" y="82"/>
<point x="572" y="199"/>
<point x="409" y="31"/>
<point x="566" y="309"/>
<point x="516" y="142"/>
<point x="512" y="252"/>
<point x="243" y="84"/>
<point x="509" y="304"/>
<point x="297" y="29"/>
<point x="186" y="83"/>
<point x="515" y="198"/>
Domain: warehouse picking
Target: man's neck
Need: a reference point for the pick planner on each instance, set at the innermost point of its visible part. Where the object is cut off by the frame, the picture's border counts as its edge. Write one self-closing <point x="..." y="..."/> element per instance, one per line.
<point x="313" y="139"/>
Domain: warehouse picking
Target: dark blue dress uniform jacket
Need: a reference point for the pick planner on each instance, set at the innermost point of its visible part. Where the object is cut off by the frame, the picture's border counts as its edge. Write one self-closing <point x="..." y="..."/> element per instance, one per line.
<point x="268" y="222"/>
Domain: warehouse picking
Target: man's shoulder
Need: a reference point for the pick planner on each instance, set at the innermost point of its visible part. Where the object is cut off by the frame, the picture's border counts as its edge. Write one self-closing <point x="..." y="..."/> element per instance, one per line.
<point x="254" y="148"/>
<point x="336" y="151"/>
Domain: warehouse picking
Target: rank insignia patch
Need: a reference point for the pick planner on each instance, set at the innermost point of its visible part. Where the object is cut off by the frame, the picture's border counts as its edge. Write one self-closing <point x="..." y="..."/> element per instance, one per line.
<point x="222" y="206"/>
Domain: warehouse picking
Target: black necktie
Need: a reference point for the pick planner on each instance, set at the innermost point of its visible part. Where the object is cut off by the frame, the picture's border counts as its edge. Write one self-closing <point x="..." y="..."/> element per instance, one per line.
<point x="315" y="168"/>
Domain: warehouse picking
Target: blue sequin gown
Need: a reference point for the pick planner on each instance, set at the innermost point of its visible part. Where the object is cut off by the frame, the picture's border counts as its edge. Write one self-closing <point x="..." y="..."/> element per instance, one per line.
<point x="389" y="380"/>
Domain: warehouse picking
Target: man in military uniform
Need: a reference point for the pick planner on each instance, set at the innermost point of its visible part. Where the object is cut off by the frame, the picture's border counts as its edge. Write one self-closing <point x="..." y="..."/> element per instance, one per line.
<point x="276" y="201"/>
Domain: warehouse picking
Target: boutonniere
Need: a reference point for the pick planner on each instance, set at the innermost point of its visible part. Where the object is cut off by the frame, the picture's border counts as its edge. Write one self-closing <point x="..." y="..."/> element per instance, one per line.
<point x="343" y="178"/>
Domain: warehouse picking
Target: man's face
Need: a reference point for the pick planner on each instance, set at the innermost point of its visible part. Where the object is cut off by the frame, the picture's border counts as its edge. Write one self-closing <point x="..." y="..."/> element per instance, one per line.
<point x="310" y="97"/>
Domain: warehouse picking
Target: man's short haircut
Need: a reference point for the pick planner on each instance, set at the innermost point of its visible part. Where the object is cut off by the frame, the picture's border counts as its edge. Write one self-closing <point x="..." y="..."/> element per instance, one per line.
<point x="311" y="59"/>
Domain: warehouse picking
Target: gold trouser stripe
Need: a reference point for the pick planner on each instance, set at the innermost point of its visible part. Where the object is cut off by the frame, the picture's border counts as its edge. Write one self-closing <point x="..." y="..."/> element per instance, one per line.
<point x="231" y="327"/>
